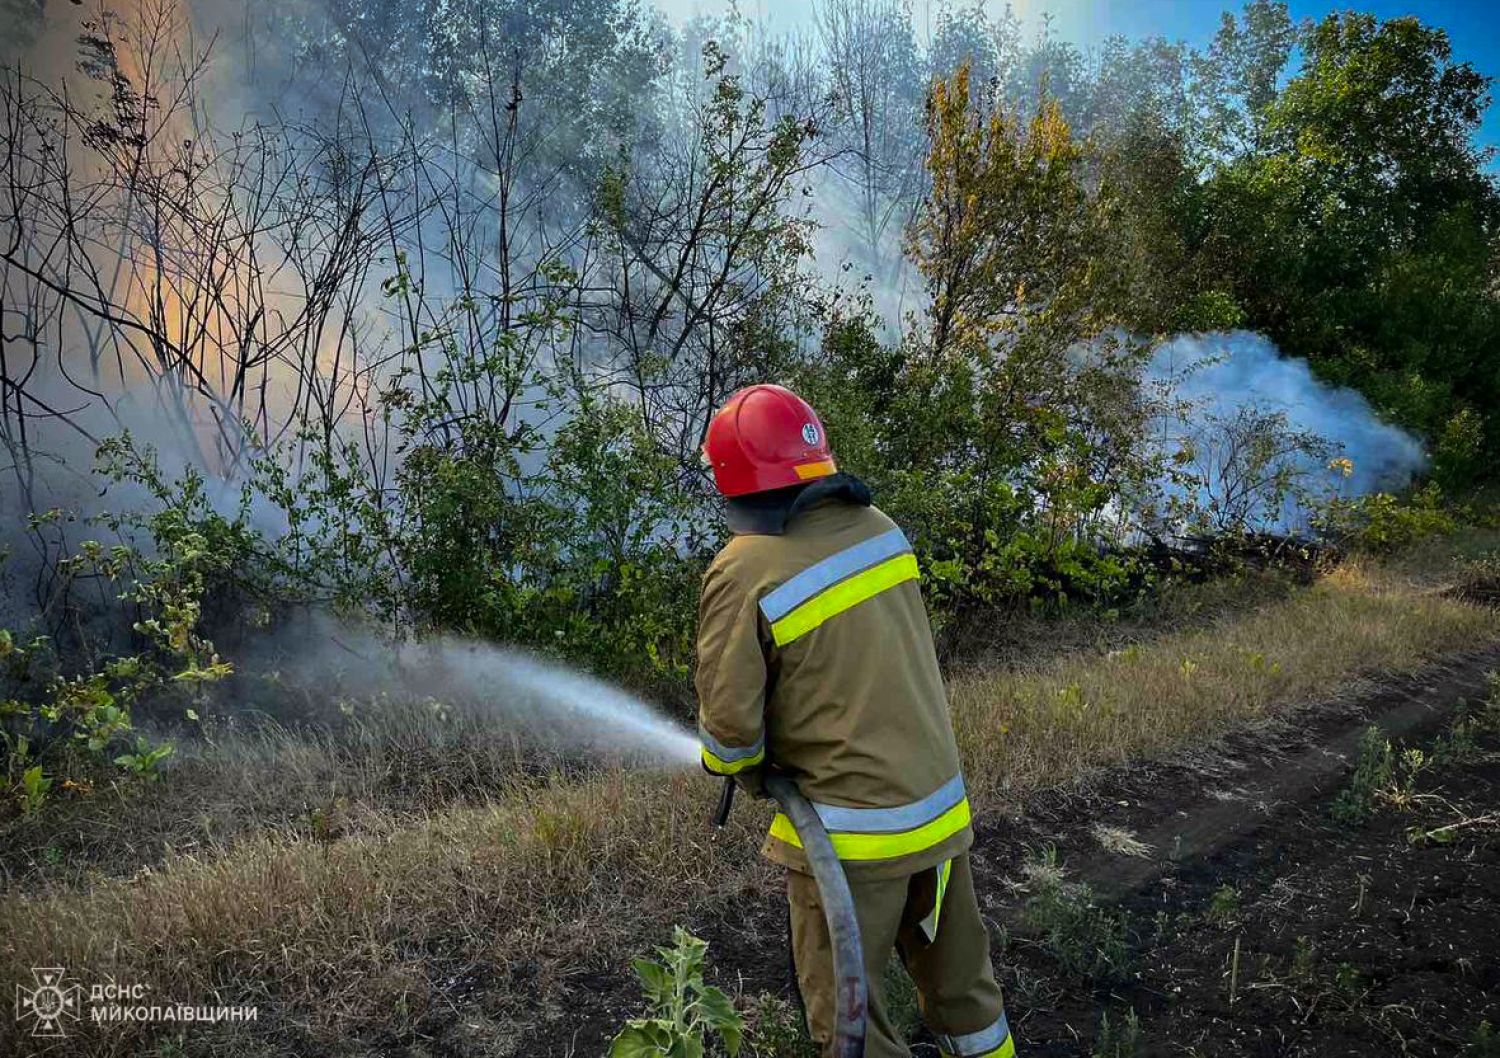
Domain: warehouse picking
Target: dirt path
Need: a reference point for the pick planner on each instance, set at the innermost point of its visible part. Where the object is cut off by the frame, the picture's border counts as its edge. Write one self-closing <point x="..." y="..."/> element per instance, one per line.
<point x="1190" y="807"/>
<point x="1351" y="939"/>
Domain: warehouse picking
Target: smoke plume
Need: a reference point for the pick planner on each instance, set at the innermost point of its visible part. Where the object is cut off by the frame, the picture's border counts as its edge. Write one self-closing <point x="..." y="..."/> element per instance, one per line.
<point x="1219" y="378"/>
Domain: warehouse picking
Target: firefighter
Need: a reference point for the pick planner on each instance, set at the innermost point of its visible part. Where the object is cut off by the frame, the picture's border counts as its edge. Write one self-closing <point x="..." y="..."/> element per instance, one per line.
<point x="815" y="657"/>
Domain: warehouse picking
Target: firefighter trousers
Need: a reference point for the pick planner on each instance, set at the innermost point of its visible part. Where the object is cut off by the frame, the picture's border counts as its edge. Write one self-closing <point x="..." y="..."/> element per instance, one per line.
<point x="932" y="920"/>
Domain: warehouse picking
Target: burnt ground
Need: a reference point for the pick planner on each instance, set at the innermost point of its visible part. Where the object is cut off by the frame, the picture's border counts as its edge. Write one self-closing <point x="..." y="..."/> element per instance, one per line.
<point x="1352" y="937"/>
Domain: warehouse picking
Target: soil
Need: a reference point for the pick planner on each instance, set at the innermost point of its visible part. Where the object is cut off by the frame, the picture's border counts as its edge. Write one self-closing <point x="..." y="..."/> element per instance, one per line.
<point x="1352" y="938"/>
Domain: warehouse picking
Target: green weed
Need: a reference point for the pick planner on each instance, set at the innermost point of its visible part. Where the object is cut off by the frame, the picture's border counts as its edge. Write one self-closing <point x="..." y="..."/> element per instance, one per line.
<point x="901" y="1002"/>
<point x="1485" y="1043"/>
<point x="1224" y="906"/>
<point x="1118" y="1040"/>
<point x="34" y="788"/>
<point x="1304" y="969"/>
<point x="1085" y="939"/>
<point x="1374" y="770"/>
<point x="775" y="1029"/>
<point x="1472" y="721"/>
<point x="146" y="760"/>
<point x="683" y="1009"/>
<point x="1348" y="981"/>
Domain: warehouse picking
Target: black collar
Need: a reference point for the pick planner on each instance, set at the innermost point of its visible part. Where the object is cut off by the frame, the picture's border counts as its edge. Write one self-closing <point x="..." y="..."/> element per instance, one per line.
<point x="769" y="513"/>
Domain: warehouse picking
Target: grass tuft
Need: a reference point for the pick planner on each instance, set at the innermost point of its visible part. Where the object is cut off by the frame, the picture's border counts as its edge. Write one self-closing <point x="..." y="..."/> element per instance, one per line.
<point x="1120" y="841"/>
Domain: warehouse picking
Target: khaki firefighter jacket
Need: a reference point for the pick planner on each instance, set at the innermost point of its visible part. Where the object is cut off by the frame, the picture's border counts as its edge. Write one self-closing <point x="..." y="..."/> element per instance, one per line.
<point x="815" y="656"/>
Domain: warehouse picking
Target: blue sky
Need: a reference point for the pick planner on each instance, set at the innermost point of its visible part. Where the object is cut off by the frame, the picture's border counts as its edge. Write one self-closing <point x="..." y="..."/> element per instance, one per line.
<point x="1473" y="25"/>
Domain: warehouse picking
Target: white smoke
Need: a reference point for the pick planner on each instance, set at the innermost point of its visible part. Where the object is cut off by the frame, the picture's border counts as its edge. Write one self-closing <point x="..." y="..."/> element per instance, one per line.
<point x="1221" y="376"/>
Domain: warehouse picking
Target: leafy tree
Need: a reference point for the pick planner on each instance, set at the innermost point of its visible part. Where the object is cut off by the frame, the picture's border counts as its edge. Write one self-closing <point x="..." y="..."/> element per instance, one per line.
<point x="996" y="440"/>
<point x="1237" y="79"/>
<point x="699" y="255"/>
<point x="587" y="67"/>
<point x="1136" y="83"/>
<point x="1358" y="229"/>
<point x="876" y="80"/>
<point x="966" y="38"/>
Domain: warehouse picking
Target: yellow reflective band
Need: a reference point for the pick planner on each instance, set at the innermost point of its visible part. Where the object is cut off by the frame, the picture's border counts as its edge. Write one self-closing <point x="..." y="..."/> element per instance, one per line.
<point x="821" y="469"/>
<point x="930" y="923"/>
<point x="731" y="767"/>
<point x="844" y="596"/>
<point x="1005" y="1050"/>
<point x="942" y="888"/>
<point x="883" y="846"/>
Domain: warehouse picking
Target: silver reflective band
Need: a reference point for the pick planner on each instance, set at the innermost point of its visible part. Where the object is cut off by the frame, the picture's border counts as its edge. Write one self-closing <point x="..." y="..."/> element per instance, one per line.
<point x="973" y="1044"/>
<point x="729" y="754"/>
<point x="892" y="820"/>
<point x="822" y="575"/>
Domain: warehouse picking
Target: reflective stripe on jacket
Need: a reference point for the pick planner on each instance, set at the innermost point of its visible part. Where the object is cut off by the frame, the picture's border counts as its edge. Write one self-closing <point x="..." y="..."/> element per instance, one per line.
<point x="815" y="656"/>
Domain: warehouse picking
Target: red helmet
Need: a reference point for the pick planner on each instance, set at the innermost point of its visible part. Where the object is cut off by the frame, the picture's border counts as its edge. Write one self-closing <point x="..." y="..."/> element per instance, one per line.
<point x="766" y="437"/>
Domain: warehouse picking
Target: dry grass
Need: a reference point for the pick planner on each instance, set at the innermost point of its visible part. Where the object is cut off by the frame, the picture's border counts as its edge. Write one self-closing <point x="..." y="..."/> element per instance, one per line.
<point x="551" y="878"/>
<point x="1120" y="841"/>
<point x="1021" y="730"/>
<point x="376" y="932"/>
<point x="389" y="763"/>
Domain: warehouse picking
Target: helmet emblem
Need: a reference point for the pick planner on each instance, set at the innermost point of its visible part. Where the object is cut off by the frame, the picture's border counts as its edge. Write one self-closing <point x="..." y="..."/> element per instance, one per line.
<point x="809" y="433"/>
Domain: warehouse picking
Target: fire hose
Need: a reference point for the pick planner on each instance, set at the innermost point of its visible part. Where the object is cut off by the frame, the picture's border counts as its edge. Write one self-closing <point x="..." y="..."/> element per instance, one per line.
<point x="838" y="908"/>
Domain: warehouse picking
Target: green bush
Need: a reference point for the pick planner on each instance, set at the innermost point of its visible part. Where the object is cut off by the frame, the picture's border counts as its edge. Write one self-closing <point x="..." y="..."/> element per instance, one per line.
<point x="62" y="712"/>
<point x="1381" y="523"/>
<point x="592" y="555"/>
<point x="594" y="558"/>
<point x="1004" y="504"/>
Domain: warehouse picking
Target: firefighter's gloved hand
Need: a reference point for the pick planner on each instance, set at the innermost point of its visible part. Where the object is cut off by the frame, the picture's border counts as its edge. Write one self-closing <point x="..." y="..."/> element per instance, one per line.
<point x="753" y="782"/>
